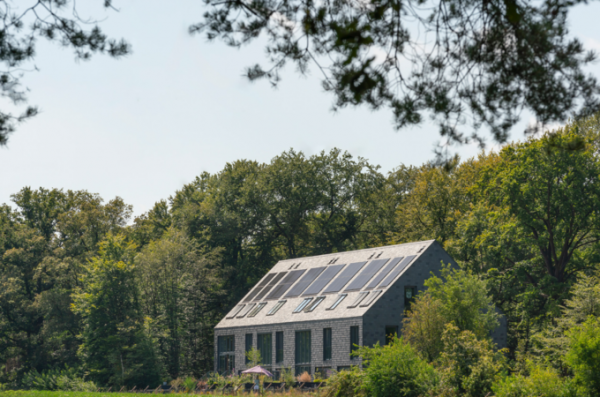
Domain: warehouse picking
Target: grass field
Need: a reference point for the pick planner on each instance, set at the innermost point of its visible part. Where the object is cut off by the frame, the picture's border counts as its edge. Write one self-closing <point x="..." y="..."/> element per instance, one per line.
<point x="35" y="393"/>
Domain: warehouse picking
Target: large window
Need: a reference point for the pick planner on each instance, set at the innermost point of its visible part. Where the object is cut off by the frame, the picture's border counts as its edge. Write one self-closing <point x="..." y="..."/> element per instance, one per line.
<point x="279" y="347"/>
<point x="226" y="351"/>
<point x="265" y="346"/>
<point x="326" y="344"/>
<point x="354" y="339"/>
<point x="303" y="352"/>
<point x="248" y="345"/>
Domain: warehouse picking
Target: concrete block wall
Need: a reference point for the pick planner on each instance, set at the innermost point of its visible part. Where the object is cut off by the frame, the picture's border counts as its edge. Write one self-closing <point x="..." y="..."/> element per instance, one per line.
<point x="340" y="330"/>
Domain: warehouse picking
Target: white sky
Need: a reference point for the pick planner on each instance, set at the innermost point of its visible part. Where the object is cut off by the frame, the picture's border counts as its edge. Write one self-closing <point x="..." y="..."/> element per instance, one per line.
<point x="143" y="126"/>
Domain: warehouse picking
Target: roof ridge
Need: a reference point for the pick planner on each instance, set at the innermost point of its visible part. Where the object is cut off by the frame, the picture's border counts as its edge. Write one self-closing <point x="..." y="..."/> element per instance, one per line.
<point x="359" y="250"/>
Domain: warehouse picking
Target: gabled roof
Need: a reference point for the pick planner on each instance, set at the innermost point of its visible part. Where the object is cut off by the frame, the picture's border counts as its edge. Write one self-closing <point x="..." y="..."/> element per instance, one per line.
<point x="354" y="273"/>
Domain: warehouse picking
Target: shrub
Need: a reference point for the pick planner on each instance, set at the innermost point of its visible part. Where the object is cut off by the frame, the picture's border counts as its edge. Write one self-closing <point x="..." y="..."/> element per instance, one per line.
<point x="304" y="377"/>
<point x="396" y="370"/>
<point x="458" y="297"/>
<point x="541" y="382"/>
<point x="584" y="354"/>
<point x="287" y="377"/>
<point x="345" y="384"/>
<point x="468" y="366"/>
<point x="66" y="379"/>
<point x="189" y="384"/>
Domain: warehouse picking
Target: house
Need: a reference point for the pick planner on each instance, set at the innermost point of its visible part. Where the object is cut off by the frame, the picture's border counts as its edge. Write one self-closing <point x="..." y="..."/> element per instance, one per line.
<point x="309" y="313"/>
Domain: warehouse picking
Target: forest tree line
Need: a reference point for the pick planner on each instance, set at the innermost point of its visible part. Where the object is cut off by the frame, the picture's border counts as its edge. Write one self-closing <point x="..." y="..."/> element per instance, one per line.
<point x="133" y="301"/>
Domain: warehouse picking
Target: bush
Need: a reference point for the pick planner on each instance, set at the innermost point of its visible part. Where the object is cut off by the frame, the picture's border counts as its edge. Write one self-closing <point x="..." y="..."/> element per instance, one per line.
<point x="304" y="377"/>
<point x="584" y="354"/>
<point x="458" y="297"/>
<point x="468" y="366"/>
<point x="287" y="377"/>
<point x="345" y="384"/>
<point x="65" y="380"/>
<point x="396" y="370"/>
<point x="541" y="382"/>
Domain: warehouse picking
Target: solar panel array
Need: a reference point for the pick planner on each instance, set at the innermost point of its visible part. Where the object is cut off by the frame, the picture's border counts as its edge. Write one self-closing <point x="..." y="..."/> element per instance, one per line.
<point x="269" y="286"/>
<point x="259" y="287"/>
<point x="323" y="280"/>
<point x="396" y="271"/>
<point x="366" y="274"/>
<point x="349" y="272"/>
<point x="310" y="276"/>
<point x="377" y="279"/>
<point x="285" y="284"/>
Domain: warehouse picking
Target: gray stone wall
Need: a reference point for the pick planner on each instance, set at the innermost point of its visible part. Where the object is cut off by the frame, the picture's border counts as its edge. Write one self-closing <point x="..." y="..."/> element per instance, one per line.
<point x="387" y="311"/>
<point x="340" y="342"/>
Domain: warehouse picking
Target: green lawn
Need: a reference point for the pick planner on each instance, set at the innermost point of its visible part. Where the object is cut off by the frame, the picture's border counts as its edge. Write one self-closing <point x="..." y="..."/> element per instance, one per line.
<point x="35" y="393"/>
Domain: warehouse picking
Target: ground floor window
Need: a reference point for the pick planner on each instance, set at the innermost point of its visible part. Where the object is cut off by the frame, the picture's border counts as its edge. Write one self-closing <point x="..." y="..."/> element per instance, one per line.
<point x="226" y="353"/>
<point x="326" y="344"/>
<point x="265" y="346"/>
<point x="323" y="372"/>
<point x="354" y="339"/>
<point x="248" y="346"/>
<point x="303" y="352"/>
<point x="279" y="347"/>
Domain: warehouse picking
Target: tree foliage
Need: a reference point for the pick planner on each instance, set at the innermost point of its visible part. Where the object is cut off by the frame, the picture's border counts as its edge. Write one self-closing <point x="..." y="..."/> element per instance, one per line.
<point x="452" y="60"/>
<point x="54" y="20"/>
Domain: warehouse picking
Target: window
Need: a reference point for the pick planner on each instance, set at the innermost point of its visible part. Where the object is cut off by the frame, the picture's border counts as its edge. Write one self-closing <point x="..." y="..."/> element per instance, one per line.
<point x="373" y="296"/>
<point x="257" y="309"/>
<point x="248" y="345"/>
<point x="409" y="297"/>
<point x="322" y="372"/>
<point x="279" y="347"/>
<point x="226" y="351"/>
<point x="391" y="331"/>
<point x="326" y="344"/>
<point x="338" y="301"/>
<point x="276" y="307"/>
<point x="359" y="299"/>
<point x="246" y="310"/>
<point x="303" y="352"/>
<point x="314" y="305"/>
<point x="264" y="343"/>
<point x="235" y="311"/>
<point x="303" y="305"/>
<point x="354" y="339"/>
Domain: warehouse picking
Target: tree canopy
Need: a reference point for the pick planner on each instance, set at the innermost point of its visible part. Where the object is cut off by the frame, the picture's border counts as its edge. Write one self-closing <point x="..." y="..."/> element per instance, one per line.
<point x="457" y="61"/>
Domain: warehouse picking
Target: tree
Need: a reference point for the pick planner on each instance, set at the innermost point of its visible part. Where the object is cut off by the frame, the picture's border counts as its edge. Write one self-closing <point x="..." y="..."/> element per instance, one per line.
<point x="396" y="370"/>
<point x="116" y="347"/>
<point x="180" y="291"/>
<point x="459" y="298"/>
<point x="55" y="20"/>
<point x="584" y="354"/>
<point x="468" y="365"/>
<point x="454" y="60"/>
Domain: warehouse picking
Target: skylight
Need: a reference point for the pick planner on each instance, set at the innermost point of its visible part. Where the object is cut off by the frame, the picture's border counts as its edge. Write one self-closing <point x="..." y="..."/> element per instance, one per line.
<point x="314" y="305"/>
<point x="303" y="305"/>
<point x="338" y="301"/>
<point x="359" y="299"/>
<point x="257" y="309"/>
<point x="276" y="307"/>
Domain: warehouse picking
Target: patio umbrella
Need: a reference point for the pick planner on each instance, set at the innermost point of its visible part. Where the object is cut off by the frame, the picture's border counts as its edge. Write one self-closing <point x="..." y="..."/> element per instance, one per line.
<point x="257" y="370"/>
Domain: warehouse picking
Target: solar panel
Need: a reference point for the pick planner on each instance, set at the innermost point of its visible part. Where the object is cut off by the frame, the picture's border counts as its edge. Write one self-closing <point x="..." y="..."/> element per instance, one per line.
<point x="305" y="282"/>
<point x="359" y="298"/>
<point x="323" y="280"/>
<point x="338" y="283"/>
<point x="364" y="276"/>
<point x="394" y="273"/>
<point x="269" y="286"/>
<point x="373" y="296"/>
<point x="285" y="284"/>
<point x="377" y="279"/>
<point x="260" y="286"/>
